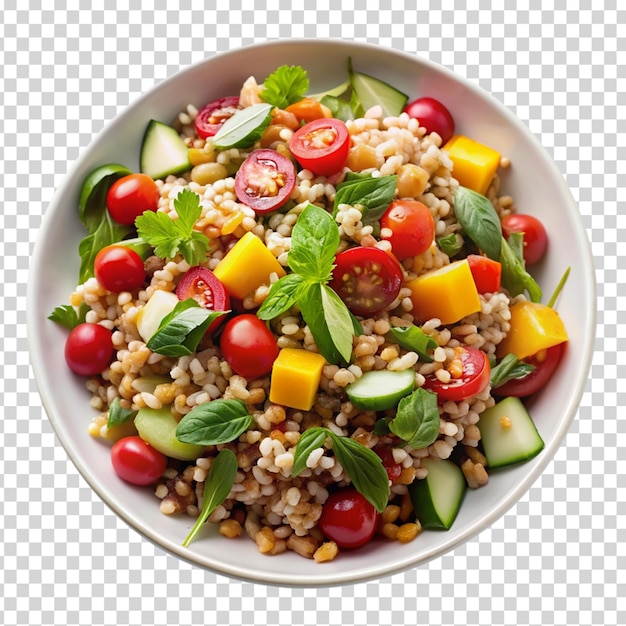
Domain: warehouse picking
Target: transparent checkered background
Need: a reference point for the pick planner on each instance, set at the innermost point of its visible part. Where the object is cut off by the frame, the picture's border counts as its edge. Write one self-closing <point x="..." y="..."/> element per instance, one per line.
<point x="555" y="558"/>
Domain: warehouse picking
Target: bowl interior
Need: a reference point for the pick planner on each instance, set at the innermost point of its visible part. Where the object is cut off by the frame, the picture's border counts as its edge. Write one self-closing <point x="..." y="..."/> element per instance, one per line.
<point x="533" y="180"/>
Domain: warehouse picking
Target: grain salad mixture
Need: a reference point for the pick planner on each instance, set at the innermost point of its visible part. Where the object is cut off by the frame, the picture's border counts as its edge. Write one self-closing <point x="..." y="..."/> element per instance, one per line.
<point x="301" y="310"/>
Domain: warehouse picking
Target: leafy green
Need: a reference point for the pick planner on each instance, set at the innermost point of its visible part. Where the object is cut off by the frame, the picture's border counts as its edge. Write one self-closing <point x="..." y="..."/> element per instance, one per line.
<point x="338" y="320"/>
<point x="415" y="339"/>
<point x="338" y="107"/>
<point x="69" y="316"/>
<point x="283" y="294"/>
<point x="311" y="439"/>
<point x="559" y="288"/>
<point x="417" y="419"/>
<point x="515" y="278"/>
<point x="285" y="85"/>
<point x="373" y="193"/>
<point x="451" y="244"/>
<point x="244" y="127"/>
<point x="479" y="220"/>
<point x="510" y="367"/>
<point x="118" y="415"/>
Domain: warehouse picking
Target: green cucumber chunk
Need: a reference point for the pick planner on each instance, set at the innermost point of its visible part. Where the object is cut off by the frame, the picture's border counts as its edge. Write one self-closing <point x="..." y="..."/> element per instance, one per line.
<point x="369" y="91"/>
<point x="158" y="428"/>
<point x="163" y="152"/>
<point x="508" y="433"/>
<point x="380" y="390"/>
<point x="437" y="498"/>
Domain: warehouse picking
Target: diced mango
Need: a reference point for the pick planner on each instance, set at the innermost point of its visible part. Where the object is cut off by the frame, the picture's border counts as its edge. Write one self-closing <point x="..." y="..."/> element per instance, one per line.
<point x="247" y="266"/>
<point x="534" y="327"/>
<point x="448" y="293"/>
<point x="475" y="164"/>
<point x="296" y="378"/>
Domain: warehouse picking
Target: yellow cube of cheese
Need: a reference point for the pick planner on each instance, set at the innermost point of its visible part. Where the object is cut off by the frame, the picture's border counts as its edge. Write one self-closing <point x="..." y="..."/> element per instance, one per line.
<point x="296" y="378"/>
<point x="475" y="164"/>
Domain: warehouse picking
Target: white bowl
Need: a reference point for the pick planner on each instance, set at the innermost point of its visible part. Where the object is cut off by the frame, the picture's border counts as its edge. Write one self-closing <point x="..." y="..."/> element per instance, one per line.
<point x="533" y="180"/>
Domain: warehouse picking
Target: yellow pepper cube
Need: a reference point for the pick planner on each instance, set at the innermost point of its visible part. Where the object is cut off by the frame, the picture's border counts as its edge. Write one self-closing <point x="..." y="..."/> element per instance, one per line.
<point x="475" y="164"/>
<point x="247" y="266"/>
<point x="534" y="327"/>
<point x="296" y="378"/>
<point x="448" y="293"/>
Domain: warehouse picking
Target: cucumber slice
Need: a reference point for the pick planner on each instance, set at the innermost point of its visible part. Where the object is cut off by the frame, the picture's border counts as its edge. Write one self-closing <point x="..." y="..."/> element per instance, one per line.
<point x="158" y="428"/>
<point x="370" y="91"/>
<point x="380" y="390"/>
<point x="150" y="316"/>
<point x="436" y="499"/>
<point x="508" y="433"/>
<point x="163" y="152"/>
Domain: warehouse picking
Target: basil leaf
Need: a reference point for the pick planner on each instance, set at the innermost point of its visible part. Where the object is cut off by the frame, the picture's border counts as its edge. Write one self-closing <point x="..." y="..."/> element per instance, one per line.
<point x="375" y="194"/>
<point x="244" y="127"/>
<point x="119" y="415"/>
<point x="311" y="439"/>
<point x="509" y="368"/>
<point x="451" y="244"/>
<point x="218" y="421"/>
<point x="283" y="294"/>
<point x="415" y="339"/>
<point x="381" y="427"/>
<point x="339" y="108"/>
<point x="515" y="279"/>
<point x="217" y="486"/>
<point x="417" y="419"/>
<point x="284" y="86"/>
<point x="68" y="316"/>
<point x="479" y="220"/>
<point x="339" y="322"/>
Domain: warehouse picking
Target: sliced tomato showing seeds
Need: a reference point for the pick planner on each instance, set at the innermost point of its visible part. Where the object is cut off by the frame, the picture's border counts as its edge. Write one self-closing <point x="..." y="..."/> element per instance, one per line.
<point x="213" y="115"/>
<point x="321" y="146"/>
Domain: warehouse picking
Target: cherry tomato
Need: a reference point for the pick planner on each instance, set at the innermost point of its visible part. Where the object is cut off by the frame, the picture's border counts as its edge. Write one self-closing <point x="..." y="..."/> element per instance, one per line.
<point x="265" y="180"/>
<point x="412" y="228"/>
<point x="202" y="285"/>
<point x="486" y="273"/>
<point x="129" y="196"/>
<point x="321" y="146"/>
<point x="545" y="363"/>
<point x="348" y="518"/>
<point x="473" y="378"/>
<point x="433" y="116"/>
<point x="392" y="468"/>
<point x="136" y="461"/>
<point x="248" y="346"/>
<point x="367" y="279"/>
<point x="119" y="268"/>
<point x="535" y="235"/>
<point x="212" y="116"/>
<point x="88" y="349"/>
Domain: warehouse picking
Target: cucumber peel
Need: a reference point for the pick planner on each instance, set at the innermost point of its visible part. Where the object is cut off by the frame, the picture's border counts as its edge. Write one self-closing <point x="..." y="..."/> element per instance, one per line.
<point x="163" y="152"/>
<point x="380" y="390"/>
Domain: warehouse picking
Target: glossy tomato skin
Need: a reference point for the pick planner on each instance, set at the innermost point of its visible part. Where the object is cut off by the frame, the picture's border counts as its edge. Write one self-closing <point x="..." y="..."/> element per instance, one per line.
<point x="348" y="518"/>
<point x="248" y="346"/>
<point x="136" y="461"/>
<point x="545" y="364"/>
<point x="473" y="379"/>
<point x="412" y="228"/>
<point x="212" y="116"/>
<point x="265" y="180"/>
<point x="321" y="146"/>
<point x="129" y="196"/>
<point x="367" y="279"/>
<point x="119" y="268"/>
<point x="486" y="273"/>
<point x="433" y="116"/>
<point x="88" y="349"/>
<point x="392" y="468"/>
<point x="535" y="235"/>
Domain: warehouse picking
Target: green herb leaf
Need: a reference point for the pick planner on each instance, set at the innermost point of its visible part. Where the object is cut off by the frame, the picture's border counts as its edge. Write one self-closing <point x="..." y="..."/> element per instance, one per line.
<point x="285" y="85"/>
<point x="339" y="322"/>
<point x="218" y="421"/>
<point x="339" y="108"/>
<point x="283" y="294"/>
<point x="515" y="279"/>
<point x="479" y="220"/>
<point x="119" y="415"/>
<point x="510" y="367"/>
<point x="415" y="339"/>
<point x="69" y="316"/>
<point x="311" y="439"/>
<point x="559" y="288"/>
<point x="244" y="127"/>
<point x="217" y="487"/>
<point x="375" y="194"/>
<point x="451" y="244"/>
<point x="381" y="427"/>
<point x="417" y="419"/>
<point x="188" y="208"/>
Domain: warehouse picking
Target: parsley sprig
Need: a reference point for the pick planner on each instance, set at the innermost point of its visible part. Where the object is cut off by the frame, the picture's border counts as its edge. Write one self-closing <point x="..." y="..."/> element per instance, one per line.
<point x="286" y="85"/>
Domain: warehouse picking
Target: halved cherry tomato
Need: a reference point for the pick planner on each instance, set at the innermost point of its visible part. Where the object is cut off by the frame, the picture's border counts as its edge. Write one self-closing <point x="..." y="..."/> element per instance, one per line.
<point x="248" y="346"/>
<point x="470" y="375"/>
<point x="392" y="468"/>
<point x="136" y="461"/>
<point x="88" y="349"/>
<point x="535" y="235"/>
<point x="265" y="180"/>
<point x="213" y="115"/>
<point x="119" y="268"/>
<point x="129" y="196"/>
<point x="367" y="279"/>
<point x="486" y="273"/>
<point x="545" y="363"/>
<point x="202" y="285"/>
<point x="412" y="228"/>
<point x="306" y="110"/>
<point x="433" y="116"/>
<point x="348" y="518"/>
<point x="321" y="146"/>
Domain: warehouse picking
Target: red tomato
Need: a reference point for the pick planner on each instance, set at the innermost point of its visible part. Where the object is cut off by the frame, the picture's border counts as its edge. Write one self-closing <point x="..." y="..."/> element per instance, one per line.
<point x="473" y="379"/>
<point x="412" y="228"/>
<point x="248" y="346"/>
<point x="88" y="349"/>
<point x="392" y="468"/>
<point x="213" y="115"/>
<point x="545" y="363"/>
<point x="321" y="146"/>
<point x="348" y="518"/>
<point x="367" y="279"/>
<point x="433" y="116"/>
<point x="129" y="196"/>
<point x="202" y="285"/>
<point x="265" y="180"/>
<point x="535" y="235"/>
<point x="119" y="268"/>
<point x="486" y="273"/>
<point x="136" y="461"/>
